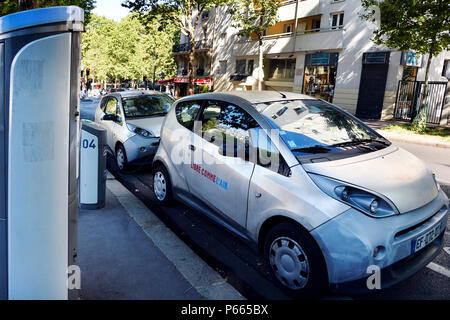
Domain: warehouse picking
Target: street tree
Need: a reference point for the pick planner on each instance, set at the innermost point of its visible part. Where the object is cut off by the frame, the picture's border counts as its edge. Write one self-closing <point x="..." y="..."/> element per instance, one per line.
<point x="11" y="6"/>
<point x="126" y="49"/>
<point x="252" y="18"/>
<point x="419" y="25"/>
<point x="185" y="14"/>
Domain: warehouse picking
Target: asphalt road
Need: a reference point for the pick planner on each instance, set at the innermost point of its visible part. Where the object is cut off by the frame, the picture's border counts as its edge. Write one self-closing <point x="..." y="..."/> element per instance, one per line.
<point x="243" y="268"/>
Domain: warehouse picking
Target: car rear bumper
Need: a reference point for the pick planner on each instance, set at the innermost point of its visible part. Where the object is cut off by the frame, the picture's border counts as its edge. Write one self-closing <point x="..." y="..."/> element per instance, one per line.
<point x="349" y="240"/>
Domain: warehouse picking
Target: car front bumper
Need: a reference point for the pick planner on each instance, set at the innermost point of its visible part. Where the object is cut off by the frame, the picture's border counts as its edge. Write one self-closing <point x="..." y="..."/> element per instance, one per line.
<point x="349" y="240"/>
<point x="140" y="149"/>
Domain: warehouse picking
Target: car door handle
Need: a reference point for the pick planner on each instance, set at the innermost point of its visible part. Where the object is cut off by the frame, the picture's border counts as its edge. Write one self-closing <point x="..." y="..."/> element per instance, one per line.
<point x="258" y="195"/>
<point x="191" y="147"/>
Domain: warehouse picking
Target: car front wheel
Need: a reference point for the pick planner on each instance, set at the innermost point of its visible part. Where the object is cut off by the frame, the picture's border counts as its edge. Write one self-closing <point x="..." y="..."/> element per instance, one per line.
<point x="295" y="261"/>
<point x="162" y="186"/>
<point x="121" y="158"/>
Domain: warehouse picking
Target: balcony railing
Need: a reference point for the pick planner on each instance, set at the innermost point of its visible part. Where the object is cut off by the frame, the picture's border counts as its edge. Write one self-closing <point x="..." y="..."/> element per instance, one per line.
<point x="204" y="44"/>
<point x="300" y="32"/>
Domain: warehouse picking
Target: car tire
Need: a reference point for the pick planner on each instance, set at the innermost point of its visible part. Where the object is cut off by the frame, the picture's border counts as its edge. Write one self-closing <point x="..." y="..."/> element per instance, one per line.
<point x="294" y="261"/>
<point x="162" y="186"/>
<point x="121" y="158"/>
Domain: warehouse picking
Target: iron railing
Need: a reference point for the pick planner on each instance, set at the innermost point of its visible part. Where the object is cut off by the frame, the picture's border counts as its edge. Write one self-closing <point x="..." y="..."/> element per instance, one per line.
<point x="204" y="44"/>
<point x="409" y="99"/>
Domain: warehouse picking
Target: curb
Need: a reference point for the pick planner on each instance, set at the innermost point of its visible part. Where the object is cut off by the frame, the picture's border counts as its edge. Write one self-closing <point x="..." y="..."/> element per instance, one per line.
<point x="416" y="140"/>
<point x="207" y="282"/>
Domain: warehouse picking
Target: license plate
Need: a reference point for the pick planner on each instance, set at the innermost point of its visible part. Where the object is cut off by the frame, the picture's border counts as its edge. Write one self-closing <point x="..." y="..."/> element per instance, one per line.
<point x="422" y="241"/>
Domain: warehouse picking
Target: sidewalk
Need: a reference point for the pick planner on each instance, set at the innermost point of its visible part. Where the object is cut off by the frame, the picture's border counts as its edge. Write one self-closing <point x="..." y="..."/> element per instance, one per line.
<point x="408" y="138"/>
<point x="126" y="252"/>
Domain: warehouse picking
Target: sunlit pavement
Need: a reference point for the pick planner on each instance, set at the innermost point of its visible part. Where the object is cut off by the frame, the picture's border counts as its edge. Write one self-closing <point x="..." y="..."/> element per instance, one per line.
<point x="239" y="265"/>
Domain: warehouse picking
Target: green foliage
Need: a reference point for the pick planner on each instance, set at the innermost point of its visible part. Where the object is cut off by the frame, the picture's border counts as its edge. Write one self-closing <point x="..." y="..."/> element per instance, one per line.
<point x="253" y="17"/>
<point x="126" y="49"/>
<point x="421" y="25"/>
<point x="202" y="89"/>
<point x="184" y="14"/>
<point x="11" y="6"/>
<point x="419" y="123"/>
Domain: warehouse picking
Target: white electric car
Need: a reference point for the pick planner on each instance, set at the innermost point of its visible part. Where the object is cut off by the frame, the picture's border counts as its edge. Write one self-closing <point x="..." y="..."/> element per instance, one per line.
<point x="133" y="122"/>
<point x="326" y="199"/>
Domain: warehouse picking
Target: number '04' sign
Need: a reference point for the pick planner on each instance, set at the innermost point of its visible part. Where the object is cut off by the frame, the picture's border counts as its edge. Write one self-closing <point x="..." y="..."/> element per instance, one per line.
<point x="86" y="144"/>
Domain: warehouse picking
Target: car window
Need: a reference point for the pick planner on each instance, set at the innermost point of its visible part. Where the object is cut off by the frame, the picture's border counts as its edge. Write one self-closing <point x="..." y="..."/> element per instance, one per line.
<point x="112" y="107"/>
<point x="227" y="126"/>
<point x="146" y="106"/>
<point x="186" y="113"/>
<point x="103" y="103"/>
<point x="267" y="155"/>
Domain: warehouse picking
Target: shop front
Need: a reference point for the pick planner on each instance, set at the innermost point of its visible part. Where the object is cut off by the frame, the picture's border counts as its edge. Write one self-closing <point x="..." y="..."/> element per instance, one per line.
<point x="320" y="75"/>
<point x="181" y="85"/>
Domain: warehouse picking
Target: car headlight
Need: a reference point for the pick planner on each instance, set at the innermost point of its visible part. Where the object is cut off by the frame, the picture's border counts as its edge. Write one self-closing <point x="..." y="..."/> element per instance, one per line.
<point x="142" y="132"/>
<point x="368" y="202"/>
<point x="437" y="183"/>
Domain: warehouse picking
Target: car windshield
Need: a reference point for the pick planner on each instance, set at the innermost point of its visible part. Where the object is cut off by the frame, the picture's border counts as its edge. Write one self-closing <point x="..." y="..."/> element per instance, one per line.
<point x="314" y="126"/>
<point x="146" y="106"/>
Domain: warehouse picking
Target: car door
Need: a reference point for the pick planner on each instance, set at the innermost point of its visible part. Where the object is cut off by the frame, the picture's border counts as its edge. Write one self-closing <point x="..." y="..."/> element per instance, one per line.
<point x="219" y="173"/>
<point x="112" y="127"/>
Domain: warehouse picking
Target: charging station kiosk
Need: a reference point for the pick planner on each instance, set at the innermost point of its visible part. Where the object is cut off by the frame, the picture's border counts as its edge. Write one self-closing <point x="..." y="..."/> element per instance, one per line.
<point x="39" y="149"/>
<point x="92" y="166"/>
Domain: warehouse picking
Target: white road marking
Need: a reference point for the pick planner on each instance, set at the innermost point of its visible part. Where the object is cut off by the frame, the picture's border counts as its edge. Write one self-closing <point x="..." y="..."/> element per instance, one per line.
<point x="197" y="272"/>
<point x="439" y="269"/>
<point x="447" y="249"/>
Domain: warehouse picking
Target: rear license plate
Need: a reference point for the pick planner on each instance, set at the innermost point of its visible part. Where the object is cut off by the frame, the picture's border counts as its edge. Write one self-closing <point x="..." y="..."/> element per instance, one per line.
<point x="422" y="241"/>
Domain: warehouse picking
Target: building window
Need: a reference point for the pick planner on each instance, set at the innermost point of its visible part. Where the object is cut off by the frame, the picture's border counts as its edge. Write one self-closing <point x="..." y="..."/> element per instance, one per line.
<point x="240" y="66"/>
<point x="282" y="68"/>
<point x="222" y="67"/>
<point x="250" y="65"/>
<point x="337" y="20"/>
<point x="316" y="24"/>
<point x="446" y="69"/>
<point x="409" y="73"/>
<point x="288" y="28"/>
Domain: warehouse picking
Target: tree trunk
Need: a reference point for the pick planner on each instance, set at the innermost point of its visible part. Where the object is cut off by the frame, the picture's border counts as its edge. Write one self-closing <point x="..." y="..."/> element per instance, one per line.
<point x="191" y="65"/>
<point x="422" y="112"/>
<point x="260" y="64"/>
<point x="28" y="4"/>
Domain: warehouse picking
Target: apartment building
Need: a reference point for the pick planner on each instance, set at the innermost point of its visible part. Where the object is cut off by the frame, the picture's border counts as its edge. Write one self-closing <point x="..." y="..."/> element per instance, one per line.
<point x="319" y="47"/>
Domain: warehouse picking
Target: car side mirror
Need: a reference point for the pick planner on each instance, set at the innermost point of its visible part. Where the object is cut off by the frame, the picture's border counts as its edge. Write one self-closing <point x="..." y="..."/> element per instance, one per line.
<point x="109" y="117"/>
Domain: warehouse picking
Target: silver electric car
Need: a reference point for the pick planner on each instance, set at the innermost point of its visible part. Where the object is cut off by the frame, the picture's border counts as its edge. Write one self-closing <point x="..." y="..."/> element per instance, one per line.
<point x="133" y="122"/>
<point x="326" y="199"/>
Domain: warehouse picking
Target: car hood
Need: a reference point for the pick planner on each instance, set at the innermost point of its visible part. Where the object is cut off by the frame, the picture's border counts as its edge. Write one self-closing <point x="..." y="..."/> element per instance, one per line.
<point x="151" y="123"/>
<point x="392" y="172"/>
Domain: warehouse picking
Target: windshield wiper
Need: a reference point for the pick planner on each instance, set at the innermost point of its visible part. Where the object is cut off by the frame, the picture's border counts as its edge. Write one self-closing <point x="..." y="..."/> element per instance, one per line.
<point x="360" y="141"/>
<point x="313" y="149"/>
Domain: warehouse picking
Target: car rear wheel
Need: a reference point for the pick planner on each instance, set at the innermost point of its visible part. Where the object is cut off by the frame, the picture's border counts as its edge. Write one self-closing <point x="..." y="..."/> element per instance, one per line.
<point x="121" y="158"/>
<point x="295" y="261"/>
<point x="162" y="186"/>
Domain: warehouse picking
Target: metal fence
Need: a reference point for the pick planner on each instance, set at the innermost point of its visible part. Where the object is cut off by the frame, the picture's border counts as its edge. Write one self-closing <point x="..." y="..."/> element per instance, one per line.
<point x="409" y="99"/>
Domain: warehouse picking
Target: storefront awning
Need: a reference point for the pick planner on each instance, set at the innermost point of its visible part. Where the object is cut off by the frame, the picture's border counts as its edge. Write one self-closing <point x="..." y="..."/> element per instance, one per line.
<point x="198" y="81"/>
<point x="165" y="81"/>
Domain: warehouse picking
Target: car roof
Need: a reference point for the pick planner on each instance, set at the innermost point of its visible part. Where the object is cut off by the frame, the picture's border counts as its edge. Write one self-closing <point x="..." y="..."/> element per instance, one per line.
<point x="253" y="97"/>
<point x="134" y="93"/>
<point x="130" y="93"/>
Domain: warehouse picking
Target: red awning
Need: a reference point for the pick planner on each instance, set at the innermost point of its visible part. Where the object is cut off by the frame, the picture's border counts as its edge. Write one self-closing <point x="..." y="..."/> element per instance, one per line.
<point x="198" y="81"/>
<point x="165" y="81"/>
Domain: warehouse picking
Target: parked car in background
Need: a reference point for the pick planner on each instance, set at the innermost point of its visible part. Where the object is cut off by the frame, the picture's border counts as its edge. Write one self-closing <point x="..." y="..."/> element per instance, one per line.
<point x="133" y="122"/>
<point x="323" y="197"/>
